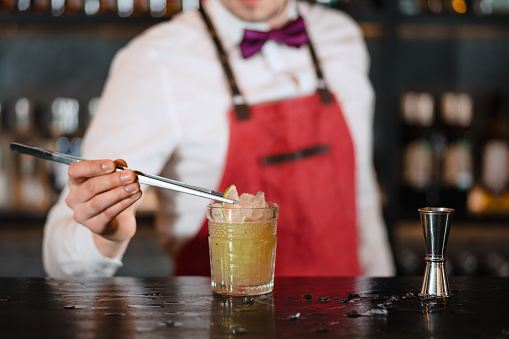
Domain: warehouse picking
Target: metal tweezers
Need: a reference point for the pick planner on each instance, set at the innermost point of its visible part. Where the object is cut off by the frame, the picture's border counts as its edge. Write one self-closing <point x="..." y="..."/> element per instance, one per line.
<point x="145" y="179"/>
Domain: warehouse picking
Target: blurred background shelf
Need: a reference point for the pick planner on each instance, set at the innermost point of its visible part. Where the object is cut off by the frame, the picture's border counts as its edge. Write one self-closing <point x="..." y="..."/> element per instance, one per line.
<point x="21" y="249"/>
<point x="53" y="66"/>
<point x="77" y="19"/>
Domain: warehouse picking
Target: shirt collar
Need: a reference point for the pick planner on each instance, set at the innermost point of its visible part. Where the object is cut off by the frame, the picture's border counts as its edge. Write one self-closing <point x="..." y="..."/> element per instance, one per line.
<point x="230" y="29"/>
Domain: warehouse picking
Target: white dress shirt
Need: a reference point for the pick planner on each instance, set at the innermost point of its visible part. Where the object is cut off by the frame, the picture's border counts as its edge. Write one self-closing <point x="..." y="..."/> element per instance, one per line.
<point x="163" y="110"/>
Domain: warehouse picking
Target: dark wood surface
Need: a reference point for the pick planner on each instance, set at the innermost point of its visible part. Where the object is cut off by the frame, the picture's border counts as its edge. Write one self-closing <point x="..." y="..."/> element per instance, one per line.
<point x="184" y="307"/>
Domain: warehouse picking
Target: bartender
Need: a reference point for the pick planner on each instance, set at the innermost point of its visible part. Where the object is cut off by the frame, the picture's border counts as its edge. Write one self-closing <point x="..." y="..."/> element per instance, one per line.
<point x="269" y="95"/>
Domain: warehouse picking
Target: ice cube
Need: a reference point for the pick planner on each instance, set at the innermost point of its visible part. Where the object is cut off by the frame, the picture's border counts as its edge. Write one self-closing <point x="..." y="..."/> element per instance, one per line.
<point x="260" y="200"/>
<point x="217" y="214"/>
<point x="247" y="200"/>
<point x="249" y="208"/>
<point x="252" y="203"/>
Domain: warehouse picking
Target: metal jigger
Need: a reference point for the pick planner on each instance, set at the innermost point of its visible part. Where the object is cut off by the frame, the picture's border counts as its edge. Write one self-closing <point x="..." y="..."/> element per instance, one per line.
<point x="436" y="223"/>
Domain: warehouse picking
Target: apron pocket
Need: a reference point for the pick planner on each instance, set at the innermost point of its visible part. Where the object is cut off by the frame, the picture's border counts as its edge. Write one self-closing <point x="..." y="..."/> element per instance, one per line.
<point x="295" y="155"/>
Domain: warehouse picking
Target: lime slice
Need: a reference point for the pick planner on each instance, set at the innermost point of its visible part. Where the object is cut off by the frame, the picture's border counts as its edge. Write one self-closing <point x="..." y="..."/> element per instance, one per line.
<point x="232" y="194"/>
<point x="231" y="212"/>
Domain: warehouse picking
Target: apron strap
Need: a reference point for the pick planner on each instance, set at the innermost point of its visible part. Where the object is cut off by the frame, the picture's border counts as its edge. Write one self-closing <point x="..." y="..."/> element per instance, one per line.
<point x="322" y="89"/>
<point x="239" y="102"/>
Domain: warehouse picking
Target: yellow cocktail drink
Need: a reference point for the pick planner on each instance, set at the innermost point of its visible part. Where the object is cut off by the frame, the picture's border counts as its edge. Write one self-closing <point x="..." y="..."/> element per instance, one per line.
<point x="242" y="245"/>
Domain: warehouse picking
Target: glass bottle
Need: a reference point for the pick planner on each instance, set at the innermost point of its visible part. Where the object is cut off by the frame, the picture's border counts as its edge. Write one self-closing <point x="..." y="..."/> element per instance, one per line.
<point x="5" y="165"/>
<point x="491" y="196"/>
<point x="457" y="111"/>
<point x="419" y="149"/>
<point x="30" y="187"/>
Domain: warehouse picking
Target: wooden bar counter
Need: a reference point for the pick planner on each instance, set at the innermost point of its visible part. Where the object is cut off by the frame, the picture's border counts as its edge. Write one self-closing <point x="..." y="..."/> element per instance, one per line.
<point x="184" y="307"/>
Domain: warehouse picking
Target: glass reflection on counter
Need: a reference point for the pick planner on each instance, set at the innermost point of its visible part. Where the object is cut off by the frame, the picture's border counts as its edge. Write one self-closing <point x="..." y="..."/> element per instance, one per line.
<point x="231" y="316"/>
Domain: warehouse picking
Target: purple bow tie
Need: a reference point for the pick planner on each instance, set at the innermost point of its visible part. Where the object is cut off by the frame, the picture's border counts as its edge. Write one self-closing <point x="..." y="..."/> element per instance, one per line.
<point x="293" y="34"/>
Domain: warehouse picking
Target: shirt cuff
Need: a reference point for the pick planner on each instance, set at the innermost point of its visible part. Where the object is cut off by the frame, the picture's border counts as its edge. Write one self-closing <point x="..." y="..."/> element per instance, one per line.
<point x="94" y="262"/>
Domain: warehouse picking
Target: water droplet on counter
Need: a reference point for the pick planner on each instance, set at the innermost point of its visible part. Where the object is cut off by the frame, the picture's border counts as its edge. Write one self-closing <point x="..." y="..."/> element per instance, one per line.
<point x="171" y="323"/>
<point x="353" y="296"/>
<point x="72" y="307"/>
<point x="409" y="295"/>
<point x="145" y="306"/>
<point x="377" y="312"/>
<point x="240" y="330"/>
<point x="111" y="299"/>
<point x="186" y="314"/>
<point x="353" y="314"/>
<point x="173" y="302"/>
<point x="294" y="316"/>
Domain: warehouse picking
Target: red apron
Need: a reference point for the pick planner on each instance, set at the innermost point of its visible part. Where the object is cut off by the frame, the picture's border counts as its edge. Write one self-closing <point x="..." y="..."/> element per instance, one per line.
<point x="300" y="153"/>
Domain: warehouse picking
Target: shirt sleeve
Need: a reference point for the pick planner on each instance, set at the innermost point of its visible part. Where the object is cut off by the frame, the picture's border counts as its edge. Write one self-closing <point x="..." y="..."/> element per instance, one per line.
<point x="134" y="122"/>
<point x="69" y="250"/>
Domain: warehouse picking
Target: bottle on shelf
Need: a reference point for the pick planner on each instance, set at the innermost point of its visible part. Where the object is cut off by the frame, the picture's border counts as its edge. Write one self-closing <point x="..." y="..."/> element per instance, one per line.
<point x="65" y="136"/>
<point x="412" y="7"/>
<point x="435" y="6"/>
<point x="31" y="191"/>
<point x="420" y="147"/>
<point x="125" y="8"/>
<point x="5" y="165"/>
<point x="120" y="8"/>
<point x="418" y="109"/>
<point x="157" y="8"/>
<point x="41" y="6"/>
<point x="175" y="6"/>
<point x="73" y="7"/>
<point x="140" y="7"/>
<point x="490" y="7"/>
<point x="7" y="6"/>
<point x="23" y="120"/>
<point x="418" y="164"/>
<point x="23" y="6"/>
<point x="456" y="7"/>
<point x="57" y="7"/>
<point x="457" y="111"/>
<point x="91" y="7"/>
<point x="438" y="7"/>
<point x="491" y="196"/>
<point x="107" y="7"/>
<point x="64" y="116"/>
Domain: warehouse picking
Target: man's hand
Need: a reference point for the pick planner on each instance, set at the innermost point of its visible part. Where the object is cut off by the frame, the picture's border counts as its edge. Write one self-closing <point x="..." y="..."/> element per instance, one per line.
<point x="103" y="201"/>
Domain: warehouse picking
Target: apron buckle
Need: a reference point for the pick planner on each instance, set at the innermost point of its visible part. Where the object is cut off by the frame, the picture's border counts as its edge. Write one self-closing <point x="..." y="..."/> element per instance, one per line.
<point x="242" y="112"/>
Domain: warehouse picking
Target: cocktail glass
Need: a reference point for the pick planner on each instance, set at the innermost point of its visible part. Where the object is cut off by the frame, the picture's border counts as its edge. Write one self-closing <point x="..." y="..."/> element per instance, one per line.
<point x="242" y="249"/>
